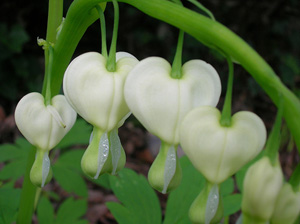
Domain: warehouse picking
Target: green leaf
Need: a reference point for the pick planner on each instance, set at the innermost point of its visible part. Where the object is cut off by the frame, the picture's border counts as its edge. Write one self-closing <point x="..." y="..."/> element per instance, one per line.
<point x="180" y="200"/>
<point x="78" y="135"/>
<point x="9" y="204"/>
<point x="45" y="211"/>
<point x="67" y="172"/>
<point x="70" y="159"/>
<point x="102" y="181"/>
<point x="139" y="201"/>
<point x="70" y="180"/>
<point x="232" y="203"/>
<point x="227" y="187"/>
<point x="15" y="157"/>
<point x="70" y="212"/>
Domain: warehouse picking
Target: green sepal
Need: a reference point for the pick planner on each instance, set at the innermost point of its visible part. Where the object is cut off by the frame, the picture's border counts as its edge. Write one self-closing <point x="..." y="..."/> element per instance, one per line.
<point x="89" y="161"/>
<point x="156" y="174"/>
<point x="198" y="208"/>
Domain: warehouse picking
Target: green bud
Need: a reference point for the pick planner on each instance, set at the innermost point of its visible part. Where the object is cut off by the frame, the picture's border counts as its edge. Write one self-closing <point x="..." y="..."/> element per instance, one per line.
<point x="204" y="206"/>
<point x="165" y="173"/>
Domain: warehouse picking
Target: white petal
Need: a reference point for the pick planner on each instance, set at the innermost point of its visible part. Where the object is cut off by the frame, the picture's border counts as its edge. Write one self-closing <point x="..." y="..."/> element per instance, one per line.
<point x="95" y="93"/>
<point x="218" y="152"/>
<point x="37" y="124"/>
<point x="160" y="102"/>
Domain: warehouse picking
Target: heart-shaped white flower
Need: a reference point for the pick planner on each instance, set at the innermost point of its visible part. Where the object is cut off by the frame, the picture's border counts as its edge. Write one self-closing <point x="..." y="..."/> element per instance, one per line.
<point x="95" y="93"/>
<point x="44" y="126"/>
<point x="262" y="184"/>
<point x="160" y="102"/>
<point x="218" y="152"/>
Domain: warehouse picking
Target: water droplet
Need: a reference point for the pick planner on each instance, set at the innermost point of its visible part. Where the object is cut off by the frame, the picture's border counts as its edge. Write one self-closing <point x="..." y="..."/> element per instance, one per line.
<point x="45" y="168"/>
<point x="115" y="149"/>
<point x="170" y="168"/>
<point x="103" y="151"/>
<point x="212" y="203"/>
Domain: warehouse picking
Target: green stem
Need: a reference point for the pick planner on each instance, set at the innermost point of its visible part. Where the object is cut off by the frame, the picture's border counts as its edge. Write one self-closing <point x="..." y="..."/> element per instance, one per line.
<point x="48" y="76"/>
<point x="111" y="62"/>
<point x="103" y="31"/>
<point x="295" y="179"/>
<point x="55" y="16"/>
<point x="226" y="112"/>
<point x="28" y="194"/>
<point x="273" y="143"/>
<point x="176" y="72"/>
<point x="81" y="15"/>
<point x="204" y="9"/>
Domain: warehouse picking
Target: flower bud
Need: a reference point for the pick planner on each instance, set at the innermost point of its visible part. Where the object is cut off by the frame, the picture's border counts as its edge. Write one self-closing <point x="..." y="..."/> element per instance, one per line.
<point x="216" y="151"/>
<point x="261" y="187"/>
<point x="287" y="206"/>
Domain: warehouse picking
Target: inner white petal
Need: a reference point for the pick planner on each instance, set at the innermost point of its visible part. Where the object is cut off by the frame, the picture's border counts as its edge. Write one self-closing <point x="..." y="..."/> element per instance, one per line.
<point x="212" y="203"/>
<point x="56" y="116"/>
<point x="45" y="168"/>
<point x="103" y="150"/>
<point x="115" y="149"/>
<point x="170" y="168"/>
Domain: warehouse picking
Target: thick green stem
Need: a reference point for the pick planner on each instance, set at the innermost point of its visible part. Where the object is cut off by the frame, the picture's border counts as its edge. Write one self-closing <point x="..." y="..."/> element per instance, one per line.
<point x="55" y="16"/>
<point x="176" y="72"/>
<point x="226" y="112"/>
<point x="81" y="15"/>
<point x="28" y="195"/>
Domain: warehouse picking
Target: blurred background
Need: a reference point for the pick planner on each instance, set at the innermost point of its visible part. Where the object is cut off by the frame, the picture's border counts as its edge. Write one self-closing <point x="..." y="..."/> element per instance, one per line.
<point x="272" y="27"/>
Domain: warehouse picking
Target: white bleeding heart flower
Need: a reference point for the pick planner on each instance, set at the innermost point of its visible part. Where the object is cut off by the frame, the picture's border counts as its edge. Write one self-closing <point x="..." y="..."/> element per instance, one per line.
<point x="42" y="125"/>
<point x="95" y="93"/>
<point x="160" y="102"/>
<point x="287" y="206"/>
<point x="261" y="187"/>
<point x="216" y="151"/>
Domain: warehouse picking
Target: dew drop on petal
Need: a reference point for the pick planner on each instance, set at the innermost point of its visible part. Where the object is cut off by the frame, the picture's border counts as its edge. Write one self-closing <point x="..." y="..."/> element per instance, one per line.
<point x="212" y="203"/>
<point x="45" y="168"/>
<point x="170" y="168"/>
<point x="115" y="149"/>
<point x="103" y="150"/>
